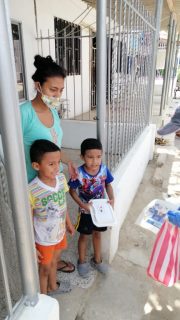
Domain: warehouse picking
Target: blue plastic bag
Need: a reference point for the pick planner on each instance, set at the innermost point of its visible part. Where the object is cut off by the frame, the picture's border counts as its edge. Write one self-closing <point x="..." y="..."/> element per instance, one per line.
<point x="174" y="217"/>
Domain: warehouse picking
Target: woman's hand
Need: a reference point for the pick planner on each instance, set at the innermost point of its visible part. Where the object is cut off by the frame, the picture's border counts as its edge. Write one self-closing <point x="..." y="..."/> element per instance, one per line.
<point x="73" y="173"/>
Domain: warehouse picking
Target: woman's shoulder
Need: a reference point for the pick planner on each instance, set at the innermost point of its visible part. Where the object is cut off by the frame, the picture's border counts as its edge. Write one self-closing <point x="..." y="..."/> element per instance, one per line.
<point x="27" y="114"/>
<point x="26" y="107"/>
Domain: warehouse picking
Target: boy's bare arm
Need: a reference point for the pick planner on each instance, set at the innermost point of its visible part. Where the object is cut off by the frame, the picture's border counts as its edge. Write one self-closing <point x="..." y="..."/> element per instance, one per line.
<point x="69" y="224"/>
<point x="74" y="195"/>
<point x="110" y="194"/>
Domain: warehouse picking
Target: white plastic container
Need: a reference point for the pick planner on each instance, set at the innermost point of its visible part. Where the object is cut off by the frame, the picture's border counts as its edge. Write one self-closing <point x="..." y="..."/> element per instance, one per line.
<point x="102" y="213"/>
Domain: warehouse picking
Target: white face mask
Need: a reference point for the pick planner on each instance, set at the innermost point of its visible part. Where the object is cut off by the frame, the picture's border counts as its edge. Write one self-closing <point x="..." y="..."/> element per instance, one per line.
<point x="50" y="102"/>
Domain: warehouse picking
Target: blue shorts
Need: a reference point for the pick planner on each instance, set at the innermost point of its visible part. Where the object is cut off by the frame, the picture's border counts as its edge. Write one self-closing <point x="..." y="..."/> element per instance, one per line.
<point x="85" y="224"/>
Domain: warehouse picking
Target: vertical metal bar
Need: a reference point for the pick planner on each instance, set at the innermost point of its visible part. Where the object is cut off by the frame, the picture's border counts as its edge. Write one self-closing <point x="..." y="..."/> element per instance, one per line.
<point x="49" y="43"/>
<point x="81" y="75"/>
<point x="5" y="278"/>
<point x="57" y="46"/>
<point x="113" y="88"/>
<point x="74" y="80"/>
<point x="123" y="83"/>
<point x="171" y="60"/>
<point x="15" y="164"/>
<point x="65" y="66"/>
<point x="90" y="70"/>
<point x="109" y="86"/>
<point x="120" y="81"/>
<point x="36" y="23"/>
<point x="131" y="74"/>
<point x="134" y="91"/>
<point x="101" y="67"/>
<point x="163" y="95"/>
<point x="158" y="11"/>
<point x="41" y="43"/>
<point x="175" y="65"/>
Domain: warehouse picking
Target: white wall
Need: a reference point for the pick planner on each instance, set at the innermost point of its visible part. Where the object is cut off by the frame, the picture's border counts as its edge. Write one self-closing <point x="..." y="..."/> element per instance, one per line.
<point x="125" y="185"/>
<point x="74" y="132"/>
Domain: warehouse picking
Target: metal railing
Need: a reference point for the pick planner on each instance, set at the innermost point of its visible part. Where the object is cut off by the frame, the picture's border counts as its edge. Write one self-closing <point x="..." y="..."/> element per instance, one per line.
<point x="131" y="40"/>
<point x="131" y="36"/>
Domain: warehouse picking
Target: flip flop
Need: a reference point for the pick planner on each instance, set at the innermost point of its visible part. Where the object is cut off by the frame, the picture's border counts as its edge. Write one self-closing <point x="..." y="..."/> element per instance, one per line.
<point x="63" y="287"/>
<point x="67" y="268"/>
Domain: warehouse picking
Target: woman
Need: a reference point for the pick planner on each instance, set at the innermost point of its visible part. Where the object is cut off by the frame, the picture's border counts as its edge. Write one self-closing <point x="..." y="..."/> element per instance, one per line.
<point x="40" y="119"/>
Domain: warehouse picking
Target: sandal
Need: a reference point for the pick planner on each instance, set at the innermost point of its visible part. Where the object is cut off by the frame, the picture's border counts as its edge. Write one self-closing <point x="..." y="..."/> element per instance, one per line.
<point x="68" y="267"/>
<point x="101" y="267"/>
<point x="63" y="287"/>
<point x="83" y="269"/>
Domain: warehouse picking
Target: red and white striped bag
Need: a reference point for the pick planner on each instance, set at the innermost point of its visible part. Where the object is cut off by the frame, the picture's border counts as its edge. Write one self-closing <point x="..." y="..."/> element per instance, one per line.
<point x="164" y="264"/>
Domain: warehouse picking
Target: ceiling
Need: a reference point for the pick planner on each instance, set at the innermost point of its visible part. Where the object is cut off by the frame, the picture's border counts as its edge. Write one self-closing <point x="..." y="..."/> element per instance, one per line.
<point x="168" y="7"/>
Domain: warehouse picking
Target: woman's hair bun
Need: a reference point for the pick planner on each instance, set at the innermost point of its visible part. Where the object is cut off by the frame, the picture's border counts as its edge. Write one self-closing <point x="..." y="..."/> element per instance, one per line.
<point x="40" y="62"/>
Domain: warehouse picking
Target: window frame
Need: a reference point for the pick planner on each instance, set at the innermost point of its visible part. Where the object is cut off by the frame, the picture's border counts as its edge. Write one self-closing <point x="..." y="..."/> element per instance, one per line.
<point x="19" y="24"/>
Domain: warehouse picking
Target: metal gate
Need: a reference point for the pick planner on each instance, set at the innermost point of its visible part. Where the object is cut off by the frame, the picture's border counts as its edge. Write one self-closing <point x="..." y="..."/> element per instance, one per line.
<point x="131" y="31"/>
<point x="131" y="36"/>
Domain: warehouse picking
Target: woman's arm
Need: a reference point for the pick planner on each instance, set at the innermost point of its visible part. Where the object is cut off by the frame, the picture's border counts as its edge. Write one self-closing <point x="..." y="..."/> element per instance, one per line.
<point x="71" y="166"/>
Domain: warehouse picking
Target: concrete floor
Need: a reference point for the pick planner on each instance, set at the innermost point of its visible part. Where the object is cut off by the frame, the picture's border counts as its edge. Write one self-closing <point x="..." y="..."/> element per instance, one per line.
<point x="127" y="293"/>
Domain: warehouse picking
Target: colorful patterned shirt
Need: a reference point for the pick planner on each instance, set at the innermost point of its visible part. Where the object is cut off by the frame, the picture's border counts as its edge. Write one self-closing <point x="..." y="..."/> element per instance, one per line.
<point x="91" y="187"/>
<point x="49" y="210"/>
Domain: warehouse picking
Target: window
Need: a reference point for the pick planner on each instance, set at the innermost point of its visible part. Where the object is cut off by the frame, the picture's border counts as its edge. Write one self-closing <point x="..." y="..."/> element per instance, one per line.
<point x="68" y="45"/>
<point x="18" y="55"/>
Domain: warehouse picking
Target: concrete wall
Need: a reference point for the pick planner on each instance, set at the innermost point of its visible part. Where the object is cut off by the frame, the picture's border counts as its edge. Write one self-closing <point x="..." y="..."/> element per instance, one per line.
<point x="126" y="183"/>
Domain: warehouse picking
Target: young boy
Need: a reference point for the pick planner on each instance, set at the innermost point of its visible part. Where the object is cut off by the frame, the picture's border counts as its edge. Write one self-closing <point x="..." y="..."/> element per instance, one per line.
<point x="50" y="217"/>
<point x="94" y="179"/>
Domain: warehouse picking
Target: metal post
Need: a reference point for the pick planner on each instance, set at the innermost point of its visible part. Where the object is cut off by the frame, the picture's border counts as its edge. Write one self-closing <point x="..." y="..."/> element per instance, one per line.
<point x="101" y="67"/>
<point x="171" y="59"/>
<point x="175" y="65"/>
<point x="159" y="5"/>
<point x="14" y="161"/>
<point x="164" y="88"/>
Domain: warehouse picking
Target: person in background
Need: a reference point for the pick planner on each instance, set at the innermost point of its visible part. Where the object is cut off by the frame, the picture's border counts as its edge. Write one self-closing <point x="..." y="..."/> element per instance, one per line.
<point x="172" y="126"/>
<point x="40" y="120"/>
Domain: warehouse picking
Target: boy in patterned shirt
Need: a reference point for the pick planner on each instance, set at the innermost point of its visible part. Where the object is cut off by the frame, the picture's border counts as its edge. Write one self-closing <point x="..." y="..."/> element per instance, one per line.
<point x="50" y="217"/>
<point x="93" y="181"/>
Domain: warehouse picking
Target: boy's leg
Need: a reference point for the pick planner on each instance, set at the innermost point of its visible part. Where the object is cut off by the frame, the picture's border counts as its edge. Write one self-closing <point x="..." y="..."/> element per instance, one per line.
<point x="44" y="270"/>
<point x="62" y="265"/>
<point x="82" y="266"/>
<point x="44" y="266"/>
<point x="96" y="238"/>
<point x="52" y="282"/>
<point x="96" y="261"/>
<point x="82" y="244"/>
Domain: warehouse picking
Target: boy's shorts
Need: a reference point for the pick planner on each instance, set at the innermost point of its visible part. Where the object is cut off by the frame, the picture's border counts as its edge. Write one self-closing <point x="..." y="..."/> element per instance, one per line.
<point x="47" y="252"/>
<point x="85" y="224"/>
